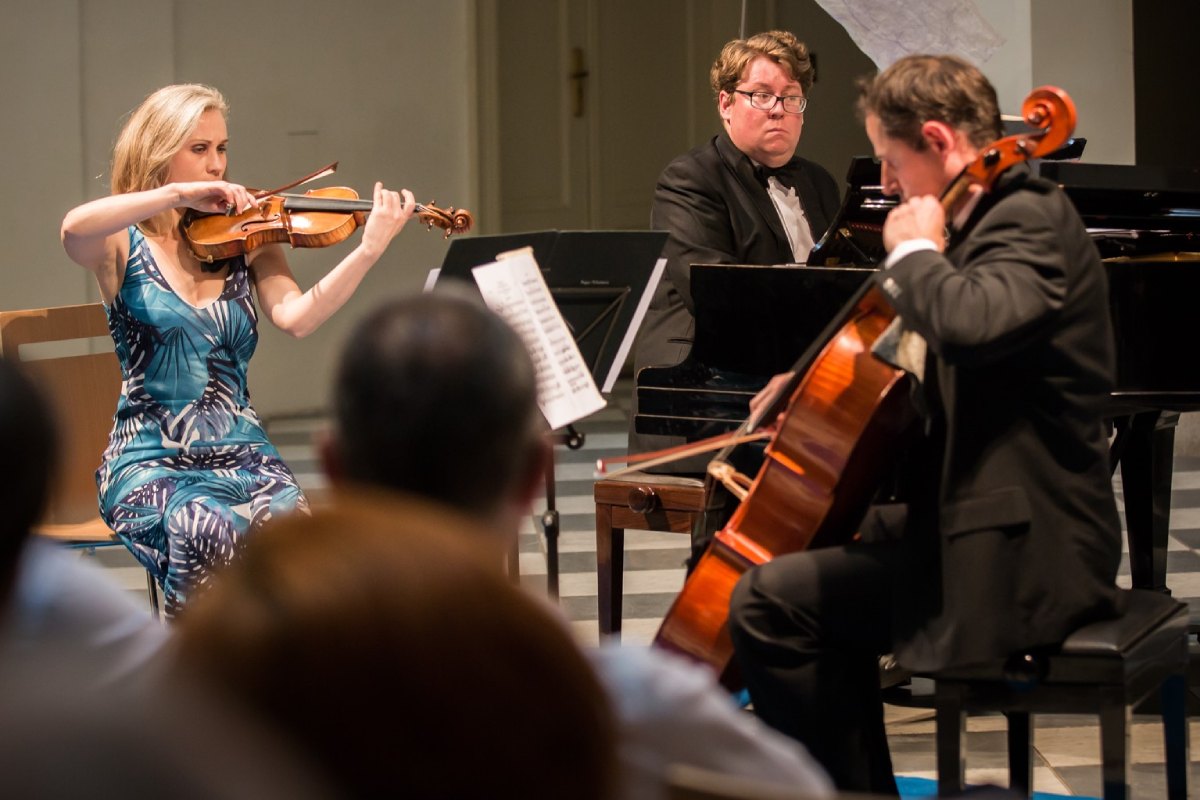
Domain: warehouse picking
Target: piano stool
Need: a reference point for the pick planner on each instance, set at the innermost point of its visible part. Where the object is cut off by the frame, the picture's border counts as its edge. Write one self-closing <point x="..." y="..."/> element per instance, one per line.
<point x="641" y="501"/>
<point x="1104" y="668"/>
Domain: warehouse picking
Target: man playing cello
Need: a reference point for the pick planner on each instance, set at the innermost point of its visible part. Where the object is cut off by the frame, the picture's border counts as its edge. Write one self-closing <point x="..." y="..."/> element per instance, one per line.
<point x="1010" y="537"/>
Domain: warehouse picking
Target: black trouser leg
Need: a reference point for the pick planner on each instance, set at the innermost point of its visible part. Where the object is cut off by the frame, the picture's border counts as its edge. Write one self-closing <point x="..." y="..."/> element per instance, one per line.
<point x="807" y="630"/>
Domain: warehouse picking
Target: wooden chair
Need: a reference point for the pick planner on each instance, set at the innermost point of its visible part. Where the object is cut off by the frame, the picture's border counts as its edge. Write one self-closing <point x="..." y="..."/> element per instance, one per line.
<point x="641" y="501"/>
<point x="1104" y="668"/>
<point x="83" y="386"/>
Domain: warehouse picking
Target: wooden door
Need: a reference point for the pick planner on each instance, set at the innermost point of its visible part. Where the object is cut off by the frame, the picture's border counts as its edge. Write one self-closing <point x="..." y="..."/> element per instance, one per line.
<point x="584" y="102"/>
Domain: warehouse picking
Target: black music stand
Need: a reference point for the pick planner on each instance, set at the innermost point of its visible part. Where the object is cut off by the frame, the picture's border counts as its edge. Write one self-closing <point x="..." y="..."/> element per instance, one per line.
<point x="600" y="281"/>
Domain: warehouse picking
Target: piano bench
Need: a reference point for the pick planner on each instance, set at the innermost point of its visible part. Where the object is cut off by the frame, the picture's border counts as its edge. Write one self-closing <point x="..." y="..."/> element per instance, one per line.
<point x="640" y="501"/>
<point x="1104" y="668"/>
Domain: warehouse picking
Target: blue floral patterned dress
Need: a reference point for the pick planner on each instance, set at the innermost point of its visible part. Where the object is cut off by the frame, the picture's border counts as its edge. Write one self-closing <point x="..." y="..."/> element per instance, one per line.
<point x="188" y="470"/>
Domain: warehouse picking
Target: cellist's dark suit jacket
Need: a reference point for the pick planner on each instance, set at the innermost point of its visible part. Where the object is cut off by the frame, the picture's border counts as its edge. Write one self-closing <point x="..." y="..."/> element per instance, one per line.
<point x="1020" y="524"/>
<point x="1012" y="537"/>
<point x="717" y="211"/>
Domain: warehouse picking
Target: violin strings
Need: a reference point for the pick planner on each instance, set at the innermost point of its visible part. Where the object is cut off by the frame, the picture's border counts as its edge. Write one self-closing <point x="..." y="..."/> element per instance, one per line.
<point x="334" y="202"/>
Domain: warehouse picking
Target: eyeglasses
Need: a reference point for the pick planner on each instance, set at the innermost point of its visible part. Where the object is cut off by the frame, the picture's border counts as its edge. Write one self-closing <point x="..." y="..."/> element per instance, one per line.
<point x="765" y="101"/>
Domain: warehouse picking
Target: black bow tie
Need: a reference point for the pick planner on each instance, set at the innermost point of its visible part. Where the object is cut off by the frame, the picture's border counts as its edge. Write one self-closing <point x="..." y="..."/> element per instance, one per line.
<point x="782" y="174"/>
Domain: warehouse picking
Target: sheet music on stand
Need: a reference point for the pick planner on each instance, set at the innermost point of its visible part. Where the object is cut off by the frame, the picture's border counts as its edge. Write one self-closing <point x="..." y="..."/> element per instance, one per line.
<point x="513" y="287"/>
<point x="601" y="281"/>
<point x="598" y="284"/>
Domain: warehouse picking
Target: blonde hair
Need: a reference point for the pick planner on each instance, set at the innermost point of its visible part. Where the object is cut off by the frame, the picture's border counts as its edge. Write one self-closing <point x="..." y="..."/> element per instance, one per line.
<point x="781" y="47"/>
<point x="153" y="135"/>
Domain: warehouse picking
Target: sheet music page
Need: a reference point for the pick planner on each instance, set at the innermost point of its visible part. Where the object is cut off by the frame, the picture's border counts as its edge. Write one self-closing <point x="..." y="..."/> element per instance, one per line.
<point x="431" y="279"/>
<point x="631" y="333"/>
<point x="514" y="288"/>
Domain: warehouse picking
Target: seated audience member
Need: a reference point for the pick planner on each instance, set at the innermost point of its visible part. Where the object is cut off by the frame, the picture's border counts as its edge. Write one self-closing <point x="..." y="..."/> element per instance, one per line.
<point x="63" y="739"/>
<point x="53" y="605"/>
<point x="435" y="396"/>
<point x="379" y="639"/>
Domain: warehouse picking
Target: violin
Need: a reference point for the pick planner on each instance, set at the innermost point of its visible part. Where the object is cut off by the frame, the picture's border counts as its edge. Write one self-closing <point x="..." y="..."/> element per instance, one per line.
<point x="317" y="218"/>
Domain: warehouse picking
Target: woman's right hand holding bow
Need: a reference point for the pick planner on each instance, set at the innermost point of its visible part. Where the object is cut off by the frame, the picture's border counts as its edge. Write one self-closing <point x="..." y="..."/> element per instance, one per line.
<point x="214" y="197"/>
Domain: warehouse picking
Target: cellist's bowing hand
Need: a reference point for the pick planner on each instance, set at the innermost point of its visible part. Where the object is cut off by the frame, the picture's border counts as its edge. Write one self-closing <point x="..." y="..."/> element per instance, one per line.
<point x="917" y="218"/>
<point x="214" y="197"/>
<point x="389" y="212"/>
<point x="766" y="396"/>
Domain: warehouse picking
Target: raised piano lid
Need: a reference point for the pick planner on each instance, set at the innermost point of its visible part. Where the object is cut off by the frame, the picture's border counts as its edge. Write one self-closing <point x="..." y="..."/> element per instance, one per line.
<point x="856" y="234"/>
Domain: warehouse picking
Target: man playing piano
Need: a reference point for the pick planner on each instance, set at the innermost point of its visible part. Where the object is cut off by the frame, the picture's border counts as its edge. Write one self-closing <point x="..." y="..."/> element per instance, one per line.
<point x="1011" y="537"/>
<point x="744" y="197"/>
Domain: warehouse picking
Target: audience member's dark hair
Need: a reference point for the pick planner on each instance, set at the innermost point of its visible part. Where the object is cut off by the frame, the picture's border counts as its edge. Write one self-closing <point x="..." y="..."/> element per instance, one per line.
<point x="28" y="444"/>
<point x="383" y="640"/>
<point x="436" y="395"/>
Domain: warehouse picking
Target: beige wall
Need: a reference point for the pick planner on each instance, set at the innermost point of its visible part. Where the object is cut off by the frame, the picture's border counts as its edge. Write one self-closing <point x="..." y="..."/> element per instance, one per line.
<point x="1083" y="46"/>
<point x="388" y="88"/>
<point x="832" y="133"/>
<point x="40" y="81"/>
<point x="1086" y="46"/>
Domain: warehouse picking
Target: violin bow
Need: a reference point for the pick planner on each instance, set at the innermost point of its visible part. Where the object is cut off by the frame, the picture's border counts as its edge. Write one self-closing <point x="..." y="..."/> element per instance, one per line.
<point x="321" y="173"/>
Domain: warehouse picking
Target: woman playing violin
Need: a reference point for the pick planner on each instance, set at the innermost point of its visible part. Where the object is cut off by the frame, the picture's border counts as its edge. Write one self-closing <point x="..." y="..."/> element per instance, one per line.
<point x="189" y="470"/>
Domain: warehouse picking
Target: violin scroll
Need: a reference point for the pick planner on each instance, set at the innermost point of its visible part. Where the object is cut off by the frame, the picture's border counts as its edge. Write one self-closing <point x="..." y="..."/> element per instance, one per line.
<point x="451" y="220"/>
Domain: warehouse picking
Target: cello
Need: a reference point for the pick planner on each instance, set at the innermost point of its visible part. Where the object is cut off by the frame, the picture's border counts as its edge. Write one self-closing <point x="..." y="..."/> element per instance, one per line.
<point x="838" y="416"/>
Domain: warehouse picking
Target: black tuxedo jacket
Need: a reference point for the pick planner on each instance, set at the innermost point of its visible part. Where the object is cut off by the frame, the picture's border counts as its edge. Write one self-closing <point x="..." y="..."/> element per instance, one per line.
<point x="1014" y="526"/>
<point x="717" y="212"/>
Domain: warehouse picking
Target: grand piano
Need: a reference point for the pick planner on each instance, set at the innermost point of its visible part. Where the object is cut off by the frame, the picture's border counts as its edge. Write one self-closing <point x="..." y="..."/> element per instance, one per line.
<point x="753" y="322"/>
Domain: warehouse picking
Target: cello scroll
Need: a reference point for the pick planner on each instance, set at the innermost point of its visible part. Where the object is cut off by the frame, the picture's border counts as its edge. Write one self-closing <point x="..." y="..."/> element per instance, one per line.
<point x="1047" y="108"/>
